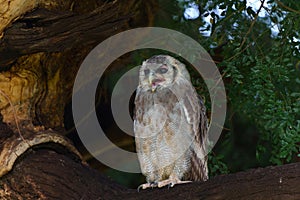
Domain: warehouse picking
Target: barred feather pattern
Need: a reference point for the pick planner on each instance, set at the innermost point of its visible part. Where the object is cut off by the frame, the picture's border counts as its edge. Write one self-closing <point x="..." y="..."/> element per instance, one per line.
<point x="170" y="123"/>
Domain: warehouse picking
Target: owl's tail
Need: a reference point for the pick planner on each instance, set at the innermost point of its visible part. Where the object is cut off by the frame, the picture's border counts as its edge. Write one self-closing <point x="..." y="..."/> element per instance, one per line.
<point x="199" y="169"/>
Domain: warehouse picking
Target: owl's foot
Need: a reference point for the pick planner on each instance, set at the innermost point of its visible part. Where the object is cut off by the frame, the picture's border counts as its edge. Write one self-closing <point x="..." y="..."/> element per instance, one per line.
<point x="147" y="185"/>
<point x="171" y="182"/>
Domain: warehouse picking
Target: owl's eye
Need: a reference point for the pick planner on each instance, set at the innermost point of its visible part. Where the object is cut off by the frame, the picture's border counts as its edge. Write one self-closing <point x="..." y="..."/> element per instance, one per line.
<point x="146" y="71"/>
<point x="162" y="70"/>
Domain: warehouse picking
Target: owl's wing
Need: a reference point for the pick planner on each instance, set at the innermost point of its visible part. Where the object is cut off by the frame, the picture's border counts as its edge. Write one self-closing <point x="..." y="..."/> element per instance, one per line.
<point x="202" y="137"/>
<point x="195" y="113"/>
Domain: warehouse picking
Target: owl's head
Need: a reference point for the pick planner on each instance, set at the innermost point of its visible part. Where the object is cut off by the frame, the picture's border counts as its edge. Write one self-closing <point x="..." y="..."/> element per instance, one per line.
<point x="161" y="71"/>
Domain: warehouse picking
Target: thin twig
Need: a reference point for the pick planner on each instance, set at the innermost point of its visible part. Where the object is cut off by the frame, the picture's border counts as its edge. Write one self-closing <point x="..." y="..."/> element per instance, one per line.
<point x="238" y="53"/>
<point x="252" y="24"/>
<point x="288" y="8"/>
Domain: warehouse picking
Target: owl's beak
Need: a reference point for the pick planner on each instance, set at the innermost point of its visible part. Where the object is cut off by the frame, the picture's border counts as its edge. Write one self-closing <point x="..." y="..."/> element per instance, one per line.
<point x="153" y="89"/>
<point x="150" y="78"/>
<point x="152" y="83"/>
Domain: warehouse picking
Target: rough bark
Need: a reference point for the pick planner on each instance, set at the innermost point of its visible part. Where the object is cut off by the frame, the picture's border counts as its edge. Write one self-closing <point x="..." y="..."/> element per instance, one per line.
<point x="44" y="30"/>
<point x="43" y="47"/>
<point x="45" y="165"/>
<point x="48" y="174"/>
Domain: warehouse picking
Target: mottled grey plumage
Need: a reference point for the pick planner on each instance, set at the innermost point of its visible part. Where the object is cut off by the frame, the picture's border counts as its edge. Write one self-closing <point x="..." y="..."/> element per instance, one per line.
<point x="170" y="124"/>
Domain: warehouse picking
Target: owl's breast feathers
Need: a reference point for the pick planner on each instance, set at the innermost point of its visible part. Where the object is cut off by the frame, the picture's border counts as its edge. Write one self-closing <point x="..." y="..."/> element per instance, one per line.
<point x="171" y="124"/>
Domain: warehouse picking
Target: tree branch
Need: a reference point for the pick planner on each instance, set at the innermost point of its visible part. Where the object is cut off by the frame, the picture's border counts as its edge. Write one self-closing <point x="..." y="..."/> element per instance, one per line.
<point x="48" y="174"/>
<point x="252" y="24"/>
<point x="54" y="31"/>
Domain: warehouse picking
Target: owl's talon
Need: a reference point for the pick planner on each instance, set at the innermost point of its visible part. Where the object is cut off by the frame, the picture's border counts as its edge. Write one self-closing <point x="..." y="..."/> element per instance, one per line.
<point x="171" y="182"/>
<point x="153" y="184"/>
<point x="147" y="185"/>
<point x="141" y="186"/>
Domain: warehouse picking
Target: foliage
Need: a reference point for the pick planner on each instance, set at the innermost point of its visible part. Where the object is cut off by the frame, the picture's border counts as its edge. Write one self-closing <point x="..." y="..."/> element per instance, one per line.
<point x="265" y="81"/>
<point x="257" y="51"/>
<point x="260" y="50"/>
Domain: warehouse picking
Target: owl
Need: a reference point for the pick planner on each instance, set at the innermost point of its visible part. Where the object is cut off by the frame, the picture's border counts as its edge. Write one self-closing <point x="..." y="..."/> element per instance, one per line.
<point x="170" y="125"/>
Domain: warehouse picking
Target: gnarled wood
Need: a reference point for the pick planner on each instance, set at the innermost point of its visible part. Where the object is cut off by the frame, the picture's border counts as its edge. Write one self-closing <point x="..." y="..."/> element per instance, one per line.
<point x="40" y="169"/>
<point x="14" y="145"/>
<point x="12" y="10"/>
<point x="41" y="52"/>
<point x="44" y="30"/>
<point x="47" y="174"/>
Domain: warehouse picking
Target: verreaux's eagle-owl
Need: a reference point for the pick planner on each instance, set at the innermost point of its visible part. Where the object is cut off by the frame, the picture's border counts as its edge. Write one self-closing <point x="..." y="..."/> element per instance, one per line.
<point x="170" y="124"/>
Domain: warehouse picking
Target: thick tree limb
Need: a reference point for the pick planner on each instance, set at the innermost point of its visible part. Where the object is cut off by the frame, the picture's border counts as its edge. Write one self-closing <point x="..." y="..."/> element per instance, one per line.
<point x="280" y="182"/>
<point x="47" y="174"/>
<point x="54" y="31"/>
